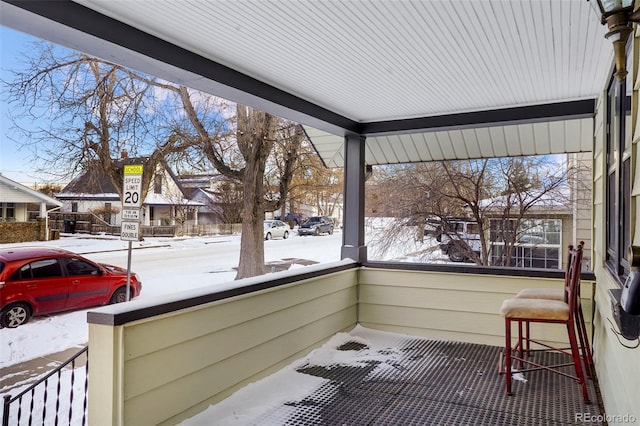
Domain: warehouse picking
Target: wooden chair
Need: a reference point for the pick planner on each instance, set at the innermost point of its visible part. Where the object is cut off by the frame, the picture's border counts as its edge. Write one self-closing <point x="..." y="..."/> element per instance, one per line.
<point x="525" y="311"/>
<point x="561" y="294"/>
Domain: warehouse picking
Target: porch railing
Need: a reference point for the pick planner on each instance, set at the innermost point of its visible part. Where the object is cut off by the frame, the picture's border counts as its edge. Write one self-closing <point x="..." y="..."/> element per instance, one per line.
<point x="35" y="406"/>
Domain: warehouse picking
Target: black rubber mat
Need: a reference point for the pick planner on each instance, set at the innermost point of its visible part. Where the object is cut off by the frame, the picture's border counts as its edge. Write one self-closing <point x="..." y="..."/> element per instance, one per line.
<point x="435" y="383"/>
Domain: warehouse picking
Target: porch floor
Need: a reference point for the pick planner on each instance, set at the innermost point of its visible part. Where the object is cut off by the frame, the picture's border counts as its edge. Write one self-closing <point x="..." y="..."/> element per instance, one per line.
<point x="375" y="378"/>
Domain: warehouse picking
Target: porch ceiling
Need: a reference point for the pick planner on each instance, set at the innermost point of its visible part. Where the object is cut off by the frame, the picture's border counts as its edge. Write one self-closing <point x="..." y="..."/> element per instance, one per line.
<point x="548" y="137"/>
<point x="422" y="79"/>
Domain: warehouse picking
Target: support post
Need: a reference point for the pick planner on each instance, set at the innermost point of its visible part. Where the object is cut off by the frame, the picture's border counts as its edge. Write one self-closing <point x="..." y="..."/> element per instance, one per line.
<point x="353" y="220"/>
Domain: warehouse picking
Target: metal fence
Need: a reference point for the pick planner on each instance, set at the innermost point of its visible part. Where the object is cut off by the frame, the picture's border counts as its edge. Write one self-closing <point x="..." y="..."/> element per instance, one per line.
<point x="60" y="397"/>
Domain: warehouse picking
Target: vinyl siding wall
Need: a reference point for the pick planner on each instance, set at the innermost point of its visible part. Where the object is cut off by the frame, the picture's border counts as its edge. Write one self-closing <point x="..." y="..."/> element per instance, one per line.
<point x="164" y="369"/>
<point x="618" y="368"/>
<point x="450" y="306"/>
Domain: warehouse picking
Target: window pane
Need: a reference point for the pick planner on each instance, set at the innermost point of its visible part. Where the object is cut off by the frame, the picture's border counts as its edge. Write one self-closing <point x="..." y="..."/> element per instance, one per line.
<point x="45" y="268"/>
<point x="80" y="267"/>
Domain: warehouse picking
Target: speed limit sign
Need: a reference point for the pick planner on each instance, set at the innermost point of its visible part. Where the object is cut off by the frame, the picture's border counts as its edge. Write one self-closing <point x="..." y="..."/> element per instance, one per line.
<point x="132" y="187"/>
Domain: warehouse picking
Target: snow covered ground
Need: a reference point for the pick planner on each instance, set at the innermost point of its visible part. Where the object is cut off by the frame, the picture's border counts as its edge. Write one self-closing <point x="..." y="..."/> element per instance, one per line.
<point x="288" y="385"/>
<point x="168" y="266"/>
<point x="171" y="265"/>
<point x="165" y="266"/>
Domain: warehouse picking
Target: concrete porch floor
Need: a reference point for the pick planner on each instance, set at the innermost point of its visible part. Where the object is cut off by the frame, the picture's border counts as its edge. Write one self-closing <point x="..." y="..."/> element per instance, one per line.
<point x="376" y="378"/>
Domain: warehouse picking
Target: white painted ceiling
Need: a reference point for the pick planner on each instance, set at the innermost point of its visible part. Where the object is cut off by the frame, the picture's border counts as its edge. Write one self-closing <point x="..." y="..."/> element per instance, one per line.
<point x="392" y="59"/>
<point x="541" y="138"/>
<point x="385" y="60"/>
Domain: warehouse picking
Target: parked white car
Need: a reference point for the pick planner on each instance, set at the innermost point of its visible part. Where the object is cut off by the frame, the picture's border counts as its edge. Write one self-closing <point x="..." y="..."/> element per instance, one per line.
<point x="275" y="229"/>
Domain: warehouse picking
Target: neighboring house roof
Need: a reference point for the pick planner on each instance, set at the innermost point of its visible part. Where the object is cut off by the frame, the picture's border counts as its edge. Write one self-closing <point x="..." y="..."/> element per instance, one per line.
<point x="557" y="200"/>
<point x="153" y="199"/>
<point x="94" y="184"/>
<point x="14" y="192"/>
<point x="199" y="181"/>
<point x="207" y="199"/>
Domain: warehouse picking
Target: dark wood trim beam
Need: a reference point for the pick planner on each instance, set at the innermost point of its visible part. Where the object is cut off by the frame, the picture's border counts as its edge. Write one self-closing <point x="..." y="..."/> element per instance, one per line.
<point x="498" y="117"/>
<point x="475" y="269"/>
<point x="135" y="314"/>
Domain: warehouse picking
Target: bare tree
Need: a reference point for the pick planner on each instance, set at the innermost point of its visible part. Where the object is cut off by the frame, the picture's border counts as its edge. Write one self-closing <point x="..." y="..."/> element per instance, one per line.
<point x="83" y="111"/>
<point x="93" y="109"/>
<point x="244" y="158"/>
<point x="230" y="201"/>
<point x="497" y="195"/>
<point x="314" y="184"/>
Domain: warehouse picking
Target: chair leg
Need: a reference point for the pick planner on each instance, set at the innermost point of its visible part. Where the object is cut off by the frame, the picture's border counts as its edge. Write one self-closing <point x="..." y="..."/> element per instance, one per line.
<point x="584" y="341"/>
<point x="520" y="344"/>
<point x="507" y="354"/>
<point x="577" y="361"/>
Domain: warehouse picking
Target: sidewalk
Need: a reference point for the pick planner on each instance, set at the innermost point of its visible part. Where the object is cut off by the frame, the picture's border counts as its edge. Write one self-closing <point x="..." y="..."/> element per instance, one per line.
<point x="28" y="372"/>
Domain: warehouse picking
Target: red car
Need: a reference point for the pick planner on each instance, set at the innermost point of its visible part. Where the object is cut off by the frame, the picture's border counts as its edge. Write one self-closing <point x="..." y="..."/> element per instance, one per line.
<point x="38" y="281"/>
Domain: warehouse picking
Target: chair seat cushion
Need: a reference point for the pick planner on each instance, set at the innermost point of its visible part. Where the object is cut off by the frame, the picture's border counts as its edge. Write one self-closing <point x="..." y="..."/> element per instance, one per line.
<point x="541" y="293"/>
<point x="535" y="309"/>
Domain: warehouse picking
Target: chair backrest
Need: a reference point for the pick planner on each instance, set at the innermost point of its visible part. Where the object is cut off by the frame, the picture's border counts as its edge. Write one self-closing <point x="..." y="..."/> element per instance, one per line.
<point x="572" y="276"/>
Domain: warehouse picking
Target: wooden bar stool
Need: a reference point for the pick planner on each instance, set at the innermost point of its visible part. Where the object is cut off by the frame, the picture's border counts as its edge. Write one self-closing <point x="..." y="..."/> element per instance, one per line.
<point x="525" y="311"/>
<point x="561" y="294"/>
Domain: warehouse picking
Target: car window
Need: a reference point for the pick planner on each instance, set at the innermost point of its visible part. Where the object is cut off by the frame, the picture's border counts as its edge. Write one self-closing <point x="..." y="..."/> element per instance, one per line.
<point x="1" y="266"/>
<point x="46" y="268"/>
<point x="77" y="266"/>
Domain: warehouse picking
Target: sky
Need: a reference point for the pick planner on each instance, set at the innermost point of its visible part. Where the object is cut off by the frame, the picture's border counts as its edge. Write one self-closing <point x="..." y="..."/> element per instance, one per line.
<point x="14" y="164"/>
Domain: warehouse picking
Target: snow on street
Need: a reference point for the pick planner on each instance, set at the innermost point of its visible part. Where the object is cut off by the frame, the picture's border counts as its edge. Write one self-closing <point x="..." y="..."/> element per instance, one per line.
<point x="165" y="266"/>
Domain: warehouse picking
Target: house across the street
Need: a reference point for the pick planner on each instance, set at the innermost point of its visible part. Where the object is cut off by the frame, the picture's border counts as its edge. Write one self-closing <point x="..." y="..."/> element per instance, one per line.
<point x="23" y="212"/>
<point x="165" y="204"/>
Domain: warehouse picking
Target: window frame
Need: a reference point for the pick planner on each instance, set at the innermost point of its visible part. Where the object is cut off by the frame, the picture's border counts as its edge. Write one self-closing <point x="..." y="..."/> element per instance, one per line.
<point x="617" y="180"/>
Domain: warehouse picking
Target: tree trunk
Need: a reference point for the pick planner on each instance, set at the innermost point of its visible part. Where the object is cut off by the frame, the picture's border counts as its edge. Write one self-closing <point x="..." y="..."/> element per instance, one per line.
<point x="255" y="141"/>
<point x="251" y="243"/>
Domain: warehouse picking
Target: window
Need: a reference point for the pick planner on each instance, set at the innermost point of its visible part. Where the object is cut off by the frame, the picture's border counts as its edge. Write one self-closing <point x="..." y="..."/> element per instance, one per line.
<point x="46" y="268"/>
<point x="8" y="211"/>
<point x="107" y="213"/>
<point x="74" y="207"/>
<point x="77" y="266"/>
<point x="538" y="243"/>
<point x="618" y="180"/>
<point x="157" y="184"/>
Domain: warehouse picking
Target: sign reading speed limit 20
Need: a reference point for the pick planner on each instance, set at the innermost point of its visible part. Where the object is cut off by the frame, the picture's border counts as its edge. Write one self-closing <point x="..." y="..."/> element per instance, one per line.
<point x="132" y="187"/>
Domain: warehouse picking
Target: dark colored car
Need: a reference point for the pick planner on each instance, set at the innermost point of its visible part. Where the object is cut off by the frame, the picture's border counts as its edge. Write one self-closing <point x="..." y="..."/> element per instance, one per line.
<point x="316" y="225"/>
<point x="39" y="281"/>
<point x="291" y="217"/>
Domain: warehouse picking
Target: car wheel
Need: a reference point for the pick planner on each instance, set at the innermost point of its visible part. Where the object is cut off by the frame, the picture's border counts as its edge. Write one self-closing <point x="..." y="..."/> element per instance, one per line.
<point x="330" y="231"/>
<point x="119" y="296"/>
<point x="15" y="315"/>
<point x="316" y="232"/>
<point x="268" y="236"/>
<point x="286" y="235"/>
<point x="456" y="256"/>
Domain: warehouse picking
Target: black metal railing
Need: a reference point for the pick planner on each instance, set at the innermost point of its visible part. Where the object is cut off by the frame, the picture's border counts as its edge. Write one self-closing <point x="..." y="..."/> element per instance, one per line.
<point x="35" y="406"/>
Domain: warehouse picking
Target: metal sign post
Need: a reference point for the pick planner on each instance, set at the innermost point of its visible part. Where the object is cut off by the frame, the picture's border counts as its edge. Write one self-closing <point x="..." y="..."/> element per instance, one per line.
<point x="131" y="203"/>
